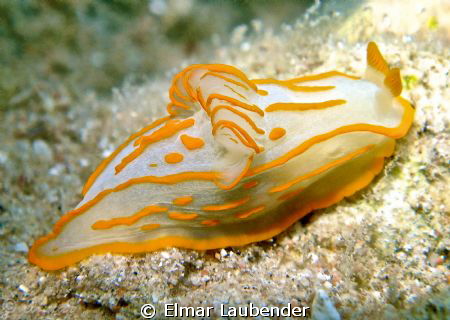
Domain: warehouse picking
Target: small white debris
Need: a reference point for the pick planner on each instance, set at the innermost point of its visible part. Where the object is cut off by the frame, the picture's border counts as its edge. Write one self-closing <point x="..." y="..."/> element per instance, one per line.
<point x="21" y="247"/>
<point x="323" y="308"/>
<point x="106" y="153"/>
<point x="223" y="253"/>
<point x="245" y="46"/>
<point x="165" y="255"/>
<point x="56" y="170"/>
<point x="79" y="278"/>
<point x="24" y="289"/>
<point x="83" y="162"/>
<point x="314" y="257"/>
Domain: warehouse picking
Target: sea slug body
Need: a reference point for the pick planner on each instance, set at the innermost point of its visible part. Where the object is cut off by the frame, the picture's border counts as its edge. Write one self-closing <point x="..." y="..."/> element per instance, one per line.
<point x="235" y="161"/>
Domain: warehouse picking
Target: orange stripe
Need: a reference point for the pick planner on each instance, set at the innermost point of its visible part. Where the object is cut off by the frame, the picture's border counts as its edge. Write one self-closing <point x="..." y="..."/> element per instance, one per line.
<point x="239" y="113"/>
<point x="173" y="92"/>
<point x="289" y="85"/>
<point x="321" y="169"/>
<point x="287" y="106"/>
<point x="239" y="178"/>
<point x="394" y="133"/>
<point x="210" y="223"/>
<point x="105" y="162"/>
<point x="182" y="216"/>
<point x="182" y="201"/>
<point x="177" y="90"/>
<point x="250" y="212"/>
<point x="234" y="91"/>
<point x="250" y="184"/>
<point x="290" y="195"/>
<point x="245" y="138"/>
<point x="321" y="76"/>
<point x="224" y="78"/>
<point x="169" y="129"/>
<point x="234" y="102"/>
<point x="226" y="206"/>
<point x="201" y="100"/>
<point x="187" y="87"/>
<point x="151" y="226"/>
<point x="231" y="70"/>
<point x="128" y="220"/>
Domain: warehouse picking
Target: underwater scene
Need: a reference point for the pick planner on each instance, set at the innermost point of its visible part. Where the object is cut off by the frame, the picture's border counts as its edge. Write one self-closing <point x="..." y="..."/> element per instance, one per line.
<point x="196" y="159"/>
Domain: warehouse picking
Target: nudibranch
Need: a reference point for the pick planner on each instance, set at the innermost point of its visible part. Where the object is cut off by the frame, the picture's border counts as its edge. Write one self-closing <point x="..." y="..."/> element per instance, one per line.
<point x="235" y="161"/>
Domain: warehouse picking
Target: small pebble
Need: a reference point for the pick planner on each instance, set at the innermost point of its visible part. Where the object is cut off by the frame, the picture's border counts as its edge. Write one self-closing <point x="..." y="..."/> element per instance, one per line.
<point x="323" y="308"/>
<point x="24" y="289"/>
<point x="21" y="247"/>
<point x="42" y="150"/>
<point x="165" y="255"/>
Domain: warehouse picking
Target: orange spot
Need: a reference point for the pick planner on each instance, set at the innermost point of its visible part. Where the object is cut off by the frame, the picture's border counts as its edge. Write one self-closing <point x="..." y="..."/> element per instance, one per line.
<point x="182" y="216"/>
<point x="168" y="130"/>
<point x="147" y="227"/>
<point x="250" y="184"/>
<point x="153" y="165"/>
<point x="174" y="157"/>
<point x="277" y="133"/>
<point x="191" y="143"/>
<point x="226" y="206"/>
<point x="250" y="212"/>
<point x="282" y="106"/>
<point x="105" y="162"/>
<point x="210" y="223"/>
<point x="129" y="220"/>
<point x="182" y="201"/>
<point x="322" y="169"/>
